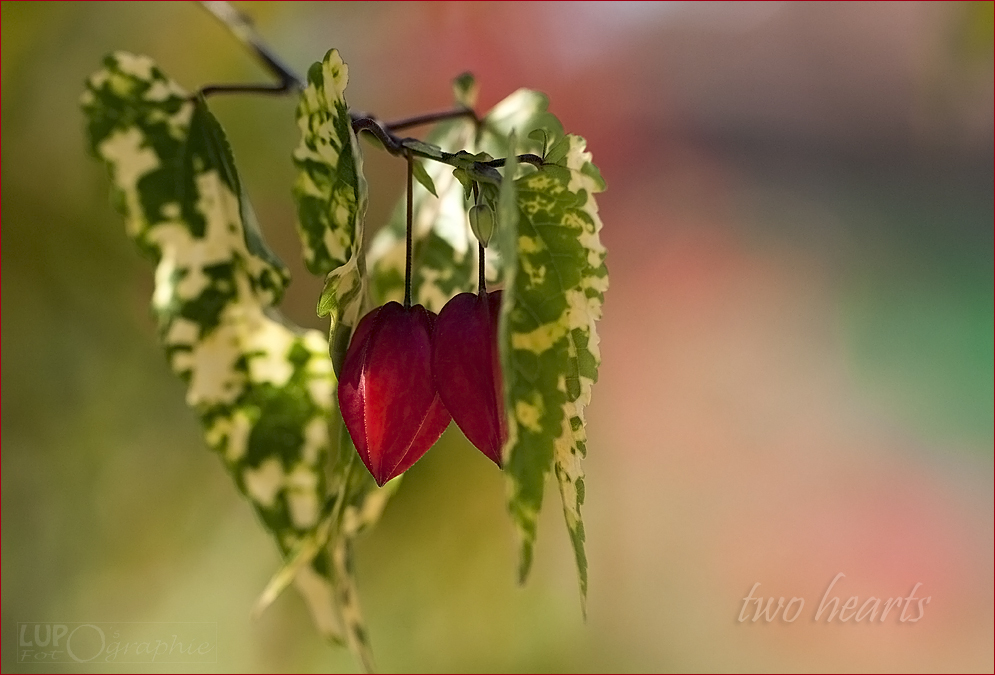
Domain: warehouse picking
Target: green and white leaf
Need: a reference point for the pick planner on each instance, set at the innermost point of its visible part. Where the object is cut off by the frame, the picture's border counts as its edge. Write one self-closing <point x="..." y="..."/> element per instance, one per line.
<point x="332" y="196"/>
<point x="330" y="189"/>
<point x="554" y="279"/>
<point x="263" y="389"/>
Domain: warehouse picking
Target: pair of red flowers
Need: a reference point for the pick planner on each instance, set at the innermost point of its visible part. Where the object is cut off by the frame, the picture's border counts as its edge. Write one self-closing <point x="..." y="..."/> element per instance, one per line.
<point x="407" y="372"/>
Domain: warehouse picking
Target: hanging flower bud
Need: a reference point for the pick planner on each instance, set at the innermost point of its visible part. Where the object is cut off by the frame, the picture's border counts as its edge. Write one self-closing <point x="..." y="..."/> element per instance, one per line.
<point x="386" y="392"/>
<point x="467" y="369"/>
<point x="482" y="222"/>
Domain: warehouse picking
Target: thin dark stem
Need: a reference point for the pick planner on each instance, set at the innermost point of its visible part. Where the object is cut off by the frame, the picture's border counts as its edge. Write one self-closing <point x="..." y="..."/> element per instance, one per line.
<point x="271" y="89"/>
<point x="407" y="240"/>
<point x="429" y="118"/>
<point x="241" y="27"/>
<point x="481" y="282"/>
<point x="528" y="158"/>
<point x="400" y="146"/>
<point x="372" y="125"/>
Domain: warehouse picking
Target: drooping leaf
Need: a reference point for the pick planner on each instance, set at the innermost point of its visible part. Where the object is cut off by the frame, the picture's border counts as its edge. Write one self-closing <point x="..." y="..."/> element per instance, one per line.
<point x="555" y="278"/>
<point x="331" y="195"/>
<point x="263" y="389"/>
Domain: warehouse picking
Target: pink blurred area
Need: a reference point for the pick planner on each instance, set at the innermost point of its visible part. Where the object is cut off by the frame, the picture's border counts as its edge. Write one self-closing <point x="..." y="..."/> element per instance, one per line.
<point x="731" y="447"/>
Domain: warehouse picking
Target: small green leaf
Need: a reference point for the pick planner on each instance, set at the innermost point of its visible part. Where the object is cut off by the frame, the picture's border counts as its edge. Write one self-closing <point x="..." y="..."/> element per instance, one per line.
<point x="481" y="173"/>
<point x="464" y="178"/>
<point x="342" y="298"/>
<point x="421" y="175"/>
<point x="429" y="150"/>
<point x="558" y="152"/>
<point x="540" y="136"/>
<point x="475" y="168"/>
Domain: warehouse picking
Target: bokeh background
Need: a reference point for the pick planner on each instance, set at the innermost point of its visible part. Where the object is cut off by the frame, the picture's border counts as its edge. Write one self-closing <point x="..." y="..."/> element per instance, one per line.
<point x="797" y="374"/>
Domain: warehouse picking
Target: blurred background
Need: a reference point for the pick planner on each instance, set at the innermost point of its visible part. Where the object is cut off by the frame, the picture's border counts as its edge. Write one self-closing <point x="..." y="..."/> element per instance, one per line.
<point x="797" y="345"/>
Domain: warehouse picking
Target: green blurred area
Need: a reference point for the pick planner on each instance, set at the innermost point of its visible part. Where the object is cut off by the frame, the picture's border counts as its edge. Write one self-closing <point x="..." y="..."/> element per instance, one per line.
<point x="912" y="252"/>
<point x="822" y="316"/>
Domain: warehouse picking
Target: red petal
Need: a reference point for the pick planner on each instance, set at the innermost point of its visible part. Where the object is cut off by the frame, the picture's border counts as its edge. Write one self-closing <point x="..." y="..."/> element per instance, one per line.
<point x="350" y="389"/>
<point x="386" y="392"/>
<point x="467" y="369"/>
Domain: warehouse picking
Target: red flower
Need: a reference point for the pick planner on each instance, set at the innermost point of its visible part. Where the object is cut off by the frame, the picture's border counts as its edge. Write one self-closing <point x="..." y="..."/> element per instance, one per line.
<point x="467" y="369"/>
<point x="386" y="391"/>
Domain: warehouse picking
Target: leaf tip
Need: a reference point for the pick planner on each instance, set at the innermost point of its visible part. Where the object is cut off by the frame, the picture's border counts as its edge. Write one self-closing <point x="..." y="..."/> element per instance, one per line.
<point x="465" y="90"/>
<point x="525" y="552"/>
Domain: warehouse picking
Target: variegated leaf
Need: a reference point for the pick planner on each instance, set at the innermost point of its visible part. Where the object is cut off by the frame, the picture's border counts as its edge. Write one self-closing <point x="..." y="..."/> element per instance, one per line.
<point x="330" y="190"/>
<point x="263" y="389"/>
<point x="555" y="278"/>
<point x="583" y="350"/>
<point x="331" y="195"/>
